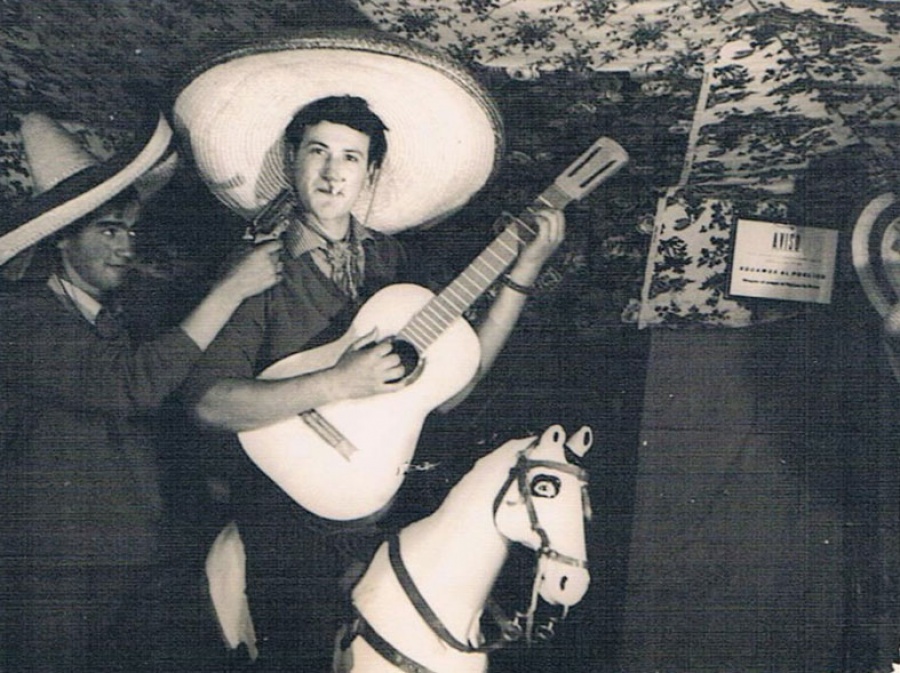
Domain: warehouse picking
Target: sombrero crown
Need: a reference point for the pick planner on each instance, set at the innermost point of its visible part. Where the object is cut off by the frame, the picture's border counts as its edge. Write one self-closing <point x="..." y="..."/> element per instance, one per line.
<point x="444" y="140"/>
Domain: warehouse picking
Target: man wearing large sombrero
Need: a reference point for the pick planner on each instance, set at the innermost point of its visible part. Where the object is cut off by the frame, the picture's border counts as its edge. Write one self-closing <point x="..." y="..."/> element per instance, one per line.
<point x="337" y="140"/>
<point x="79" y="489"/>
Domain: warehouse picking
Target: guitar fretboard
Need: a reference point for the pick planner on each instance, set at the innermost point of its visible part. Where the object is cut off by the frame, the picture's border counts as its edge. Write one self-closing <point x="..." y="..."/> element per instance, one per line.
<point x="437" y="315"/>
<point x="601" y="161"/>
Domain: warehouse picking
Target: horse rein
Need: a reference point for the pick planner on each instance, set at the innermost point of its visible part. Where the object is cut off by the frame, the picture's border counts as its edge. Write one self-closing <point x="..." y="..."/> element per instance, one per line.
<point x="511" y="630"/>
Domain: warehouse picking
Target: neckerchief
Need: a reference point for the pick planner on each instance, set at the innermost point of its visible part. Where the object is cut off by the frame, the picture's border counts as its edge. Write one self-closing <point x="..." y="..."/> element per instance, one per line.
<point x="343" y="261"/>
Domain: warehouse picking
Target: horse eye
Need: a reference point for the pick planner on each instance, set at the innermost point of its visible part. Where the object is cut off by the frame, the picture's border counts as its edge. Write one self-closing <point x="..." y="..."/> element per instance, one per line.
<point x="545" y="486"/>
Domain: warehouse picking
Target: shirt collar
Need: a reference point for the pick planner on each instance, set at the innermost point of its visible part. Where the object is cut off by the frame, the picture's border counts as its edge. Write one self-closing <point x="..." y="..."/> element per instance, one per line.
<point x="301" y="238"/>
<point x="74" y="296"/>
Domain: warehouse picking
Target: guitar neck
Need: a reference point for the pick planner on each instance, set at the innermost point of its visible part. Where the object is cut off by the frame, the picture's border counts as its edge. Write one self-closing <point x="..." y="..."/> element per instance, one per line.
<point x="430" y="322"/>
<point x="597" y="164"/>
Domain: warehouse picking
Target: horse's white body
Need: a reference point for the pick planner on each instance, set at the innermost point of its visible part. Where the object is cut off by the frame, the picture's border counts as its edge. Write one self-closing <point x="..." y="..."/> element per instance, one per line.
<point x="454" y="556"/>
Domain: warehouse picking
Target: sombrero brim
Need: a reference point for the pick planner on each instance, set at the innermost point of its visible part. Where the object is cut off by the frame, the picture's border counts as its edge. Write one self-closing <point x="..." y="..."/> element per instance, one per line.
<point x="876" y="251"/>
<point x="85" y="191"/>
<point x="444" y="140"/>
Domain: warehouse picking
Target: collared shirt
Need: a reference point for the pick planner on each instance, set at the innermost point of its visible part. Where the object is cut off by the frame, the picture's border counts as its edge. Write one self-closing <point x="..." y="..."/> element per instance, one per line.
<point x="344" y="261"/>
<point x="75" y="297"/>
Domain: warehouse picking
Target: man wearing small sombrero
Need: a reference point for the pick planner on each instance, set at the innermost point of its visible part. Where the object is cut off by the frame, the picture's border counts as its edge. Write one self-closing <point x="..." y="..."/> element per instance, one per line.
<point x="78" y="477"/>
<point x="349" y="138"/>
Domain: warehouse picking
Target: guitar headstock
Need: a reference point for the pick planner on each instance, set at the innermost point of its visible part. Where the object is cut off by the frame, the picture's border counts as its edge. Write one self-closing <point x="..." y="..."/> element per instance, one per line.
<point x="596" y="165"/>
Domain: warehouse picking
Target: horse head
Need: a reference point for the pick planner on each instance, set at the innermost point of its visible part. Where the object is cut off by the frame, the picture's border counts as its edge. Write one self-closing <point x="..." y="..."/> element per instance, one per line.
<point x="544" y="506"/>
<point x="420" y="603"/>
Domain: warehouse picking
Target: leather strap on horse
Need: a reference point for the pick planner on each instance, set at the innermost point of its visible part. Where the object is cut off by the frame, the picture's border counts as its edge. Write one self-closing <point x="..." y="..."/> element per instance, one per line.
<point x="519" y="474"/>
<point x="509" y="630"/>
<point x="388" y="652"/>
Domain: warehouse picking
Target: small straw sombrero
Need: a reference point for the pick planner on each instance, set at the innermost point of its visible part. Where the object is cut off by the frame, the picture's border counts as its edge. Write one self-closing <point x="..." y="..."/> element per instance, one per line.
<point x="876" y="251"/>
<point x="444" y="140"/>
<point x="70" y="182"/>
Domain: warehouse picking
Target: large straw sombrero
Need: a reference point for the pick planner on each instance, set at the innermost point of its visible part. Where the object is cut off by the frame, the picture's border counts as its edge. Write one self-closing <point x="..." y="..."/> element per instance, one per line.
<point x="444" y="140"/>
<point x="70" y="182"/>
<point x="876" y="251"/>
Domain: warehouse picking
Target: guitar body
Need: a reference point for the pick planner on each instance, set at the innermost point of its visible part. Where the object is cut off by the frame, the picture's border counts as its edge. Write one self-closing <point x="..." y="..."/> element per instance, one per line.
<point x="384" y="429"/>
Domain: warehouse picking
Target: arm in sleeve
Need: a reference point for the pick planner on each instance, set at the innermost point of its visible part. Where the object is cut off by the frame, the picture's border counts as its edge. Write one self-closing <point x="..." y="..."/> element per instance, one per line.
<point x="67" y="363"/>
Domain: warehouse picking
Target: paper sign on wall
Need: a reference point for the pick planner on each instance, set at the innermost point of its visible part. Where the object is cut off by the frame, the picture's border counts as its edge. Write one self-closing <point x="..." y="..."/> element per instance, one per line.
<point x="782" y="261"/>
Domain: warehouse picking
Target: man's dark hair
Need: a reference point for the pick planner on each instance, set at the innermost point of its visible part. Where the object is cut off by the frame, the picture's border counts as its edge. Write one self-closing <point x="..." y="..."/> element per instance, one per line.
<point x="122" y="200"/>
<point x="349" y="111"/>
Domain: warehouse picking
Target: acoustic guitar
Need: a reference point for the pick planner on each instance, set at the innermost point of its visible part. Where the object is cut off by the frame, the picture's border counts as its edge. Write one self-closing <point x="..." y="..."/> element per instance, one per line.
<point x="346" y="460"/>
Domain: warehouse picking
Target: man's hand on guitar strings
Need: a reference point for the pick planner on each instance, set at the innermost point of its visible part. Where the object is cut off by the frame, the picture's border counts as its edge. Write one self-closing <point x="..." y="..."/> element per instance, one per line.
<point x="368" y="367"/>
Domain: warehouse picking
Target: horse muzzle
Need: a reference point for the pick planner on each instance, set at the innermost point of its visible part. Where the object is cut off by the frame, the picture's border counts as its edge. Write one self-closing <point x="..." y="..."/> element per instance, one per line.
<point x="561" y="582"/>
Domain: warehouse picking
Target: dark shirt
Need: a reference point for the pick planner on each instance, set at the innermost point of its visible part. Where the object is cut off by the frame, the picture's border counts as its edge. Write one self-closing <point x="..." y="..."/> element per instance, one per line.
<point x="303" y="311"/>
<point x="294" y="559"/>
<point x="78" y="472"/>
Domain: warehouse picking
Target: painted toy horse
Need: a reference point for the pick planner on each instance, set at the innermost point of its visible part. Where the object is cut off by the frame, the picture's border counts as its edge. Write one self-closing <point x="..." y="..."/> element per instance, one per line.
<point x="419" y="604"/>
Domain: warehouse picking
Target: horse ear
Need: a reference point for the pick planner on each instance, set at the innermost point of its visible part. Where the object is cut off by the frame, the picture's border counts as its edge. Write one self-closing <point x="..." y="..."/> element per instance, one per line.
<point x="581" y="441"/>
<point x="554" y="434"/>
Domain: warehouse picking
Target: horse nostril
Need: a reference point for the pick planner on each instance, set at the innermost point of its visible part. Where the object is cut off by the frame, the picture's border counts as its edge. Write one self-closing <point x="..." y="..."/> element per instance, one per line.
<point x="563" y="581"/>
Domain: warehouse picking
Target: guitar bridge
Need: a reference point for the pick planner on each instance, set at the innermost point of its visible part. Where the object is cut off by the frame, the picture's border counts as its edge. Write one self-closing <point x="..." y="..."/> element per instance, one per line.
<point x="329" y="434"/>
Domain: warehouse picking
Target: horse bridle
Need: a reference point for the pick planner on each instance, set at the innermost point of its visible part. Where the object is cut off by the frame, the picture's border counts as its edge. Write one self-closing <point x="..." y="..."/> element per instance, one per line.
<point x="519" y="474"/>
<point x="511" y="630"/>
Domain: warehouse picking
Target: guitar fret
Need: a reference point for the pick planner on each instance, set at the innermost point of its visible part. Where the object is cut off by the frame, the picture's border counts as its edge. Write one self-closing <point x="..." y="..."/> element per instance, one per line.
<point x="503" y="261"/>
<point x="455" y="304"/>
<point x="491" y="272"/>
<point x="464" y="302"/>
<point x="510" y="247"/>
<point x="442" y="313"/>
<point x="412" y="334"/>
<point x="467" y="283"/>
<point x="431" y="315"/>
<point x="407" y="334"/>
<point x="433" y="329"/>
<point x="520" y="225"/>
<point x="440" y="307"/>
<point x="414" y="329"/>
<point x="461" y="287"/>
<point x="489" y="280"/>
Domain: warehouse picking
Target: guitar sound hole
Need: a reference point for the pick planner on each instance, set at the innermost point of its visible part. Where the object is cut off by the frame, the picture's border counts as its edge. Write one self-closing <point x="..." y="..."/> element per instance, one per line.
<point x="409" y="357"/>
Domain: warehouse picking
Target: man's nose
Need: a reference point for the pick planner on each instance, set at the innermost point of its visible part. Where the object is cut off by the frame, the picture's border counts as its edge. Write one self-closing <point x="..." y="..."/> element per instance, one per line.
<point x="330" y="170"/>
<point x="125" y="245"/>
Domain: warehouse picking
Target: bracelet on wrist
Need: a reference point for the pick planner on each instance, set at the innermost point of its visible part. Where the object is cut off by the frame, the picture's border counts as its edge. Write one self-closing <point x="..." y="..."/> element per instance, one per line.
<point x="527" y="290"/>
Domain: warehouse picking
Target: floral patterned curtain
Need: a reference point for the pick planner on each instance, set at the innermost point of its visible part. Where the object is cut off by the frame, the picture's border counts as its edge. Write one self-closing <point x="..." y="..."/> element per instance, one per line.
<point x="722" y="105"/>
<point x="782" y="83"/>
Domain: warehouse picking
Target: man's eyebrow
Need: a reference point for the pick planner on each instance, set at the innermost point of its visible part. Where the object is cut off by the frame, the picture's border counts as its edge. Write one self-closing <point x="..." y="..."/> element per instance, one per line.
<point x="319" y="143"/>
<point x="111" y="221"/>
